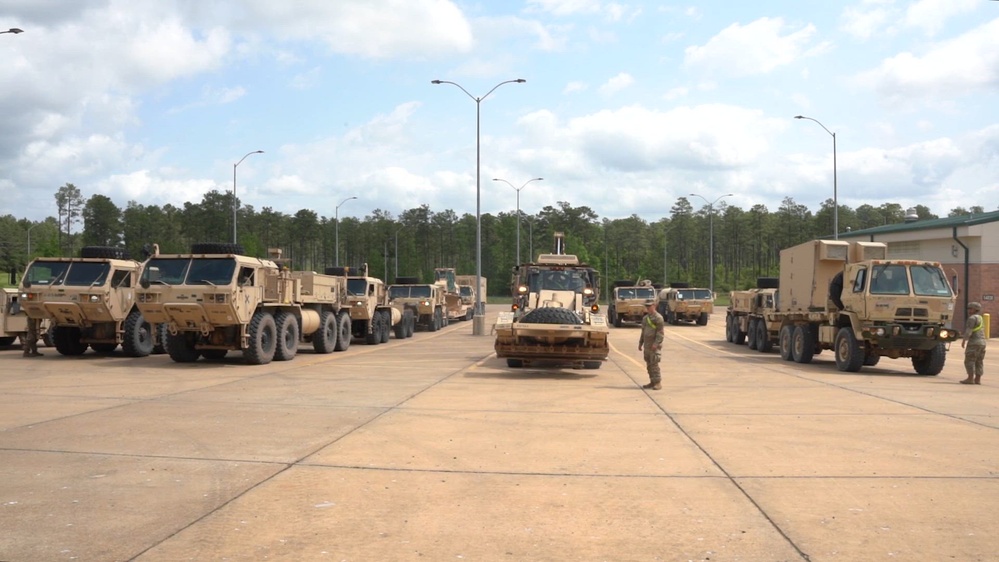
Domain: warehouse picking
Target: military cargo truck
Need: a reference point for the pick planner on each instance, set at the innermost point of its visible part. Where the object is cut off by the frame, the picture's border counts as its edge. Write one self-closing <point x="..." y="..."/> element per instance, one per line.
<point x="456" y="307"/>
<point x="424" y="300"/>
<point x="215" y="300"/>
<point x="628" y="301"/>
<point x="555" y="316"/>
<point x="89" y="302"/>
<point x="682" y="303"/>
<point x="851" y="299"/>
<point x="372" y="318"/>
<point x="747" y="312"/>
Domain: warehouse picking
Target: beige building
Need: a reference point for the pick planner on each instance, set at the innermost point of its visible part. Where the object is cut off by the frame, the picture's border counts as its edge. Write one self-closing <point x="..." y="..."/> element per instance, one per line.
<point x="966" y="245"/>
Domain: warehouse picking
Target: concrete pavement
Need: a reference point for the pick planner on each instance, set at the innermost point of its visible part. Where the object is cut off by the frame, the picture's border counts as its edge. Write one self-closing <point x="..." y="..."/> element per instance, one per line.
<point x="431" y="448"/>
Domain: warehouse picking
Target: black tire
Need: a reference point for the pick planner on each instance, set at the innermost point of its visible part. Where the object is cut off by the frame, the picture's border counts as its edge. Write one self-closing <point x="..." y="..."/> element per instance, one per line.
<point x="373" y="330"/>
<point x="217" y="248"/>
<point x="407" y="281"/>
<point x="338" y="271"/>
<point x="324" y="340"/>
<point x="679" y="285"/>
<point x="160" y="339"/>
<point x="552" y="315"/>
<point x="343" y="333"/>
<point x="214" y="354"/>
<point x="729" y="336"/>
<point x="180" y="346"/>
<point x="263" y="339"/>
<point x="784" y="340"/>
<point x="48" y="337"/>
<point x="768" y="282"/>
<point x="702" y="320"/>
<point x="763" y="343"/>
<point x="739" y="335"/>
<point x="514" y="363"/>
<point x="433" y="322"/>
<point x="137" y="341"/>
<point x="105" y="252"/>
<point x="871" y="360"/>
<point x="931" y="362"/>
<point x="849" y="356"/>
<point x="469" y="313"/>
<point x="67" y="341"/>
<point x="592" y="364"/>
<point x="401" y="328"/>
<point x="752" y="334"/>
<point x="802" y="344"/>
<point x="7" y="341"/>
<point x="623" y="283"/>
<point x="614" y="318"/>
<point x="386" y="325"/>
<point x="104" y="348"/>
<point x="287" y="336"/>
<point x="410" y="322"/>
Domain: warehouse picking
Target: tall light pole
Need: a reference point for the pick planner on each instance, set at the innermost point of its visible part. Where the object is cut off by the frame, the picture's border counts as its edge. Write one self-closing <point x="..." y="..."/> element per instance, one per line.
<point x="397" y="251"/>
<point x="835" y="187"/>
<point x="13" y="30"/>
<point x="711" y="236"/>
<point x="336" y="235"/>
<point x="518" y="208"/>
<point x="29" y="238"/>
<point x="234" y="204"/>
<point x="479" y="321"/>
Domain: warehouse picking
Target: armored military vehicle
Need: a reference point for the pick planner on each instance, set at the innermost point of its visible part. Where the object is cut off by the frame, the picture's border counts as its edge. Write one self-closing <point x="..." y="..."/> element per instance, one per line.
<point x="425" y="301"/>
<point x="682" y="303"/>
<point x="372" y="318"/>
<point x="628" y="301"/>
<point x="555" y="316"/>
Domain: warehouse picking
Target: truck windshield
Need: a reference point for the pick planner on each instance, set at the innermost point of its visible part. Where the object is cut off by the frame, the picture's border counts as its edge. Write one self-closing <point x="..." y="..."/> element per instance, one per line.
<point x="929" y="281"/>
<point x="87" y="274"/>
<point x="889" y="279"/>
<point x="211" y="271"/>
<point x="46" y="272"/>
<point x="466" y="291"/>
<point x="693" y="294"/>
<point x="409" y="291"/>
<point x="357" y="287"/>
<point x="558" y="280"/>
<point x="166" y="271"/>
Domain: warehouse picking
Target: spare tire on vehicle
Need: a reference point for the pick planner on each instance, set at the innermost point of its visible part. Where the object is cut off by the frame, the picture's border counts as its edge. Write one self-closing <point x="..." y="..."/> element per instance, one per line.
<point x="217" y="248"/>
<point x="624" y="283"/>
<point x="679" y="285"/>
<point x="106" y="252"/>
<point x="768" y="282"/>
<point x="407" y="280"/>
<point x="551" y="315"/>
<point x="340" y="271"/>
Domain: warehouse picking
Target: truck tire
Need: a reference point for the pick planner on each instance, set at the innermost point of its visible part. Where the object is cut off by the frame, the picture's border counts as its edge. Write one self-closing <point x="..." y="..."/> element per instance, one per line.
<point x="433" y="323"/>
<point x="469" y="314"/>
<point x="401" y="328"/>
<point x="768" y="282"/>
<point x="263" y="339"/>
<point x="217" y="248"/>
<point x="702" y="320"/>
<point x="751" y="334"/>
<point x="287" y="336"/>
<point x="729" y="336"/>
<point x="407" y="281"/>
<point x="160" y="339"/>
<point x="740" y="336"/>
<point x="763" y="343"/>
<point x="931" y="362"/>
<point x="67" y="341"/>
<point x="410" y="319"/>
<point x="386" y="325"/>
<point x="871" y="359"/>
<point x="324" y="340"/>
<point x="552" y="315"/>
<point x="592" y="364"/>
<point x="849" y="356"/>
<point x="514" y="363"/>
<point x="679" y="285"/>
<point x="104" y="348"/>
<point x="137" y="341"/>
<point x="105" y="252"/>
<point x="340" y="271"/>
<point x="4" y="342"/>
<point x="373" y="330"/>
<point x="214" y="354"/>
<point x="343" y="333"/>
<point x="802" y="344"/>
<point x="784" y="338"/>
<point x="180" y="346"/>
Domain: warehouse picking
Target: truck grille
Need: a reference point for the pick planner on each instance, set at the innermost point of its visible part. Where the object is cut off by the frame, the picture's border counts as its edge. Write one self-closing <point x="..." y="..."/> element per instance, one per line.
<point x="903" y="314"/>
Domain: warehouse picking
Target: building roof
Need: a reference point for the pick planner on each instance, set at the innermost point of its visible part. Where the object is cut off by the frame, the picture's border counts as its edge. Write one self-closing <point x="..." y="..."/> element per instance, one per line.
<point x="947" y="222"/>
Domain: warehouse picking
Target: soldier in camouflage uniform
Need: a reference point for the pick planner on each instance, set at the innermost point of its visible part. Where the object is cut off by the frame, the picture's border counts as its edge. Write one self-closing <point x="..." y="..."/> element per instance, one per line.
<point x="651" y="340"/>
<point x="974" y="344"/>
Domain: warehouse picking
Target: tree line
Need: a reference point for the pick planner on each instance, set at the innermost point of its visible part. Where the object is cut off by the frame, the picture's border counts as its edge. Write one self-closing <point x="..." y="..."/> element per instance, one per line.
<point x="747" y="243"/>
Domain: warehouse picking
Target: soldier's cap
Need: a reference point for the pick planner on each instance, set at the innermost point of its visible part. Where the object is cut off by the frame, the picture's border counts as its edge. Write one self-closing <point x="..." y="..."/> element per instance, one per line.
<point x="975" y="305"/>
<point x="649" y="302"/>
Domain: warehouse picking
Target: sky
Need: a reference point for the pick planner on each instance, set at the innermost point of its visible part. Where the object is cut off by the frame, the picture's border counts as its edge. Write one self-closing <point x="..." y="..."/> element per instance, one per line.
<point x="626" y="106"/>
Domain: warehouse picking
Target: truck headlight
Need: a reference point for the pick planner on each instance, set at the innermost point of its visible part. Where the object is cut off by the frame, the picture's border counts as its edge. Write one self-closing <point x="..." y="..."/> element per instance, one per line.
<point x="522" y="289"/>
<point x="587" y="291"/>
<point x="880" y="332"/>
<point x="95" y="298"/>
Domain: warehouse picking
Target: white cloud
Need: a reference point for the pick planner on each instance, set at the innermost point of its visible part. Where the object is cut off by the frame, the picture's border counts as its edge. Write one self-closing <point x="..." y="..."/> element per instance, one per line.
<point x="870" y="18"/>
<point x="756" y="48"/>
<point x="573" y="87"/>
<point x="932" y="15"/>
<point x="616" y="84"/>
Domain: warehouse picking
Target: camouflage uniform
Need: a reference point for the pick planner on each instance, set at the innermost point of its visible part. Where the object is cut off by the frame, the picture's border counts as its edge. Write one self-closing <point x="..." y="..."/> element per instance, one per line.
<point x="651" y="342"/>
<point x="974" y="344"/>
<point x="30" y="342"/>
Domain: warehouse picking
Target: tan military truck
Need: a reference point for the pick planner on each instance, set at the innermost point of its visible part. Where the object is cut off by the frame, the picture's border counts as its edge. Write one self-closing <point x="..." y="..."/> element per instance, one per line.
<point x="425" y="301"/>
<point x="682" y="303"/>
<point x="555" y="317"/>
<point x="456" y="307"/>
<point x="849" y="298"/>
<point x="372" y="318"/>
<point x="466" y="286"/>
<point x="627" y="302"/>
<point x="746" y="314"/>
<point x="89" y="302"/>
<point x="215" y="300"/>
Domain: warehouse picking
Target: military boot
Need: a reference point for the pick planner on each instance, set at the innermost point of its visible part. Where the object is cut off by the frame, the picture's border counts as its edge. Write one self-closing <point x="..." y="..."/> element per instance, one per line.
<point x="969" y="380"/>
<point x="978" y="379"/>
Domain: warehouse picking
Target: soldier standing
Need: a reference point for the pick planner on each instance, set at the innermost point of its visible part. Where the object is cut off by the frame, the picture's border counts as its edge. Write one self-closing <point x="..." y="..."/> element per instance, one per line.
<point x="30" y="342"/>
<point x="651" y="340"/>
<point x="974" y="344"/>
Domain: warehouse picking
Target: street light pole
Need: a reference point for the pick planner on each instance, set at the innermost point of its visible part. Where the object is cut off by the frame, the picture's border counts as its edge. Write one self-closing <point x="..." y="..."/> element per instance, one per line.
<point x="336" y="231"/>
<point x="835" y="187"/>
<point x="478" y="321"/>
<point x="518" y="208"/>
<point x="13" y="30"/>
<point x="711" y="237"/>
<point x="234" y="205"/>
<point x="29" y="238"/>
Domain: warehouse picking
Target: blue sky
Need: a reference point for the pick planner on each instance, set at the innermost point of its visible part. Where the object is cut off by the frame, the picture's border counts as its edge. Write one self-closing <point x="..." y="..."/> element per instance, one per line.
<point x="626" y="106"/>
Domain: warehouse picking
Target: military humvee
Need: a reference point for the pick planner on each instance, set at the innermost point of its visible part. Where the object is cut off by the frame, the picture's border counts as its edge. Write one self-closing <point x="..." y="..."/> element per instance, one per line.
<point x="681" y="303"/>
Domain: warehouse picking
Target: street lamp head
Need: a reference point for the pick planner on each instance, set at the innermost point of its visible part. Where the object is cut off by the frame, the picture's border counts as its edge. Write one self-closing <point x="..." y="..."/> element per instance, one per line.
<point x="258" y="151"/>
<point x="520" y="80"/>
<point x="799" y="116"/>
<point x="13" y="30"/>
<point x="436" y="82"/>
